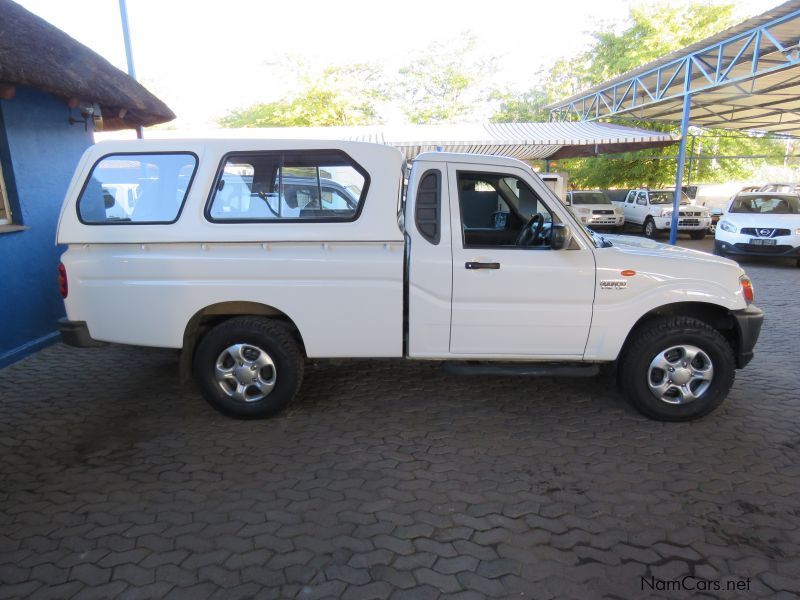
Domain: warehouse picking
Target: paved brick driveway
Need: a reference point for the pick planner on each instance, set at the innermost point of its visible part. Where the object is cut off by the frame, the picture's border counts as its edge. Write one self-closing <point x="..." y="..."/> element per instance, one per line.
<point x="395" y="479"/>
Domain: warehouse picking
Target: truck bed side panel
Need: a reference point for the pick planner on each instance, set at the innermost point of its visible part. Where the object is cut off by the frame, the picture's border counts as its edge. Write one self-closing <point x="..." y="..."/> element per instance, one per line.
<point x="344" y="297"/>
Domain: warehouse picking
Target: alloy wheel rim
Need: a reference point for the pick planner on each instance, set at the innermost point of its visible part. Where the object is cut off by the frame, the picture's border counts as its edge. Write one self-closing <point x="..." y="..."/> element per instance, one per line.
<point x="680" y="374"/>
<point x="245" y="372"/>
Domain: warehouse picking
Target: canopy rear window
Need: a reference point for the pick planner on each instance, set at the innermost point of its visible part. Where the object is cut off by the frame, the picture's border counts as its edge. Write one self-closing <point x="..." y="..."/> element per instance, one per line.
<point x="125" y="189"/>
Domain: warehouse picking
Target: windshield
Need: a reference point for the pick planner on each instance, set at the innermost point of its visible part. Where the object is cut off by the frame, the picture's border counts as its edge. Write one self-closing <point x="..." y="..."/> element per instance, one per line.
<point x="666" y="197"/>
<point x="589" y="198"/>
<point x="767" y="205"/>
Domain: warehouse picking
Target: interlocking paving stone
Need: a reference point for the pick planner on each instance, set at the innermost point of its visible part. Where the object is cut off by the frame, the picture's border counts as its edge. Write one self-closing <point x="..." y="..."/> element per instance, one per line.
<point x="393" y="479"/>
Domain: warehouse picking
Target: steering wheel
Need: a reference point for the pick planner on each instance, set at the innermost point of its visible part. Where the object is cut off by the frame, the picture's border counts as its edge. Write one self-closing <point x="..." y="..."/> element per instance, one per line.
<point x="531" y="232"/>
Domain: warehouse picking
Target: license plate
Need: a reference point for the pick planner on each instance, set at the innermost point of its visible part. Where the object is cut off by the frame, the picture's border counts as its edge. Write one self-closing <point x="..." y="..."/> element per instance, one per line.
<point x="762" y="242"/>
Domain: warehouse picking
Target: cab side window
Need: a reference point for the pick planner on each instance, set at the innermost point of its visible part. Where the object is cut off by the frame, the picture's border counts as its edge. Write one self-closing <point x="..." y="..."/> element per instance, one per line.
<point x="642" y="199"/>
<point x="496" y="207"/>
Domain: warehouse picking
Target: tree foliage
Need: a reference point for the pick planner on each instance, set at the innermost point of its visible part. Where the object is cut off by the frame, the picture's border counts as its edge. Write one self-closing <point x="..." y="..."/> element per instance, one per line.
<point x="443" y="83"/>
<point x="527" y="107"/>
<point x="345" y="95"/>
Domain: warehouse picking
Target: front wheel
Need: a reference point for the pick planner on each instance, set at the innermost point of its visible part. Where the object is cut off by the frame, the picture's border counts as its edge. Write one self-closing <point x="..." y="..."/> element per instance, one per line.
<point x="249" y="367"/>
<point x="649" y="228"/>
<point x="677" y="369"/>
<point x="698" y="235"/>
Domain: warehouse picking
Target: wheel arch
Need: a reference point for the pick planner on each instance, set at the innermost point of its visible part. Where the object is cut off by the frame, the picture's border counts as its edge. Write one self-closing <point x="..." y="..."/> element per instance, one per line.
<point x="212" y="315"/>
<point x="714" y="315"/>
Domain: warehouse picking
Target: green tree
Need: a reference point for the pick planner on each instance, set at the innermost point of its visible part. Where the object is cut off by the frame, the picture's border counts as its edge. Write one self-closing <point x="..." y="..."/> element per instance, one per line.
<point x="527" y="107"/>
<point x="346" y="95"/>
<point x="443" y="83"/>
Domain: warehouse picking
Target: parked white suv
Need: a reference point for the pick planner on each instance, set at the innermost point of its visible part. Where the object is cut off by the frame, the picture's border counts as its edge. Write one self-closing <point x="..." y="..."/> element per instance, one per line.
<point x="253" y="255"/>
<point x="760" y="224"/>
<point x="652" y="209"/>
<point x="595" y="210"/>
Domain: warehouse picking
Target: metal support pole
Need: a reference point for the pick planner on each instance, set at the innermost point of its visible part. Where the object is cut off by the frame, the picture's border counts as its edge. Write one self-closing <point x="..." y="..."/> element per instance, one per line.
<point x="687" y="109"/>
<point x="691" y="162"/>
<point x="126" y="35"/>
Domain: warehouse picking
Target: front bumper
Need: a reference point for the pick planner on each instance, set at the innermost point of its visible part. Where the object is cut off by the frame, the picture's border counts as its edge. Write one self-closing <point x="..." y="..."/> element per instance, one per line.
<point x="76" y="333"/>
<point x="783" y="248"/>
<point x="684" y="223"/>
<point x="603" y="221"/>
<point x="748" y="325"/>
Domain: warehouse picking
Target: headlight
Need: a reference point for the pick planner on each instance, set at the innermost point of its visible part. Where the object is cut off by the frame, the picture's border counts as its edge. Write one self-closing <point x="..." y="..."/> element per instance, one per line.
<point x="727" y="226"/>
<point x="666" y="212"/>
<point x="584" y="211"/>
<point x="617" y="210"/>
<point x="797" y="231"/>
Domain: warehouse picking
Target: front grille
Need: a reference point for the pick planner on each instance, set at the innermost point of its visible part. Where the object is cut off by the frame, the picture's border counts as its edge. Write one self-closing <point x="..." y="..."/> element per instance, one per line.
<point x="602" y="212"/>
<point x="761" y="231"/>
<point x="689" y="223"/>
<point x="764" y="249"/>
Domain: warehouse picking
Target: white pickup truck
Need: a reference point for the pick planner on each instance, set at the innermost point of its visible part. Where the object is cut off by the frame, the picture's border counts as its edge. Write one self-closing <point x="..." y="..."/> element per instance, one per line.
<point x="254" y="255"/>
<point x="652" y="210"/>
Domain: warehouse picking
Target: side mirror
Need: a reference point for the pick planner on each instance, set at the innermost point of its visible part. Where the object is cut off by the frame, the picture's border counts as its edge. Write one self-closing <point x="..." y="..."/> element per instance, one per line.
<point x="560" y="236"/>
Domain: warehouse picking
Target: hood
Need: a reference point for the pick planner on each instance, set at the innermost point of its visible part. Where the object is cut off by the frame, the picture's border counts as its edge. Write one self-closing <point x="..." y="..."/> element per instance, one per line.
<point x="645" y="247"/>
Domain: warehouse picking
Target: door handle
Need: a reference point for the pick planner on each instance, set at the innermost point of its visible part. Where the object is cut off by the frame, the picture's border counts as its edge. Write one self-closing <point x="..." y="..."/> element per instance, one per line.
<point x="481" y="265"/>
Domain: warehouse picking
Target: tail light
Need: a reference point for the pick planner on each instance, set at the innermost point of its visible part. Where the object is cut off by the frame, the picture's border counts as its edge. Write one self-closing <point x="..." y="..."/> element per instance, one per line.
<point x="747" y="289"/>
<point x="63" y="286"/>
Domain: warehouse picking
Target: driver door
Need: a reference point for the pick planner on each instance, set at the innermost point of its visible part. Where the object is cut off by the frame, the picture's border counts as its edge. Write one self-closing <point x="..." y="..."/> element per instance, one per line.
<point x="507" y="300"/>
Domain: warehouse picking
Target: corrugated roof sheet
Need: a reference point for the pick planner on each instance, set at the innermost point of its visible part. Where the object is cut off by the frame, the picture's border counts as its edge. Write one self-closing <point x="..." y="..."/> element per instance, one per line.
<point x="525" y="141"/>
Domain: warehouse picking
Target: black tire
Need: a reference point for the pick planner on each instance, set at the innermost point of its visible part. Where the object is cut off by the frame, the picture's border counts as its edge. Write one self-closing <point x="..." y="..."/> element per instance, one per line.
<point x="698" y="235"/>
<point x="649" y="228"/>
<point x="270" y="336"/>
<point x="654" y="337"/>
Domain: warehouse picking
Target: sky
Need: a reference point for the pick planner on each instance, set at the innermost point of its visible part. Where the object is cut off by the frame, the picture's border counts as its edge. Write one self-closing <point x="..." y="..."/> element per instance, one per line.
<point x="205" y="58"/>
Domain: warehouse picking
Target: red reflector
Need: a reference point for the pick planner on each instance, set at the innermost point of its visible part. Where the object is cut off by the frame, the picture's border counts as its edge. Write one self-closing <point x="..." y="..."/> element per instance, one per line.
<point x="628" y="273"/>
<point x="747" y="290"/>
<point x="63" y="287"/>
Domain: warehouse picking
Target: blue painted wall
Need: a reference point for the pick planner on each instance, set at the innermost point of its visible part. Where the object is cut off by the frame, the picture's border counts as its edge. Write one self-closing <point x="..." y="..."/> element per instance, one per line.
<point x="39" y="151"/>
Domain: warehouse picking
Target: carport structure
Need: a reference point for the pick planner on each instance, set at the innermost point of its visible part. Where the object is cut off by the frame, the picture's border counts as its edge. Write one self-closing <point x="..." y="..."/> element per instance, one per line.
<point x="746" y="77"/>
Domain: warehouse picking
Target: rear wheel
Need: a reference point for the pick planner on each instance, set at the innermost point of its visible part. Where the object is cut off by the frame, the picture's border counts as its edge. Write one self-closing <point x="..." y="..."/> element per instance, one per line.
<point x="698" y="235"/>
<point x="249" y="367"/>
<point x="649" y="228"/>
<point x="677" y="369"/>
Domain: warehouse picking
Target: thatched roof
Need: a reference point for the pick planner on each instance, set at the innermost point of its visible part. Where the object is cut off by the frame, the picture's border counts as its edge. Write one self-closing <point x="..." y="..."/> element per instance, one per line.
<point x="35" y="53"/>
